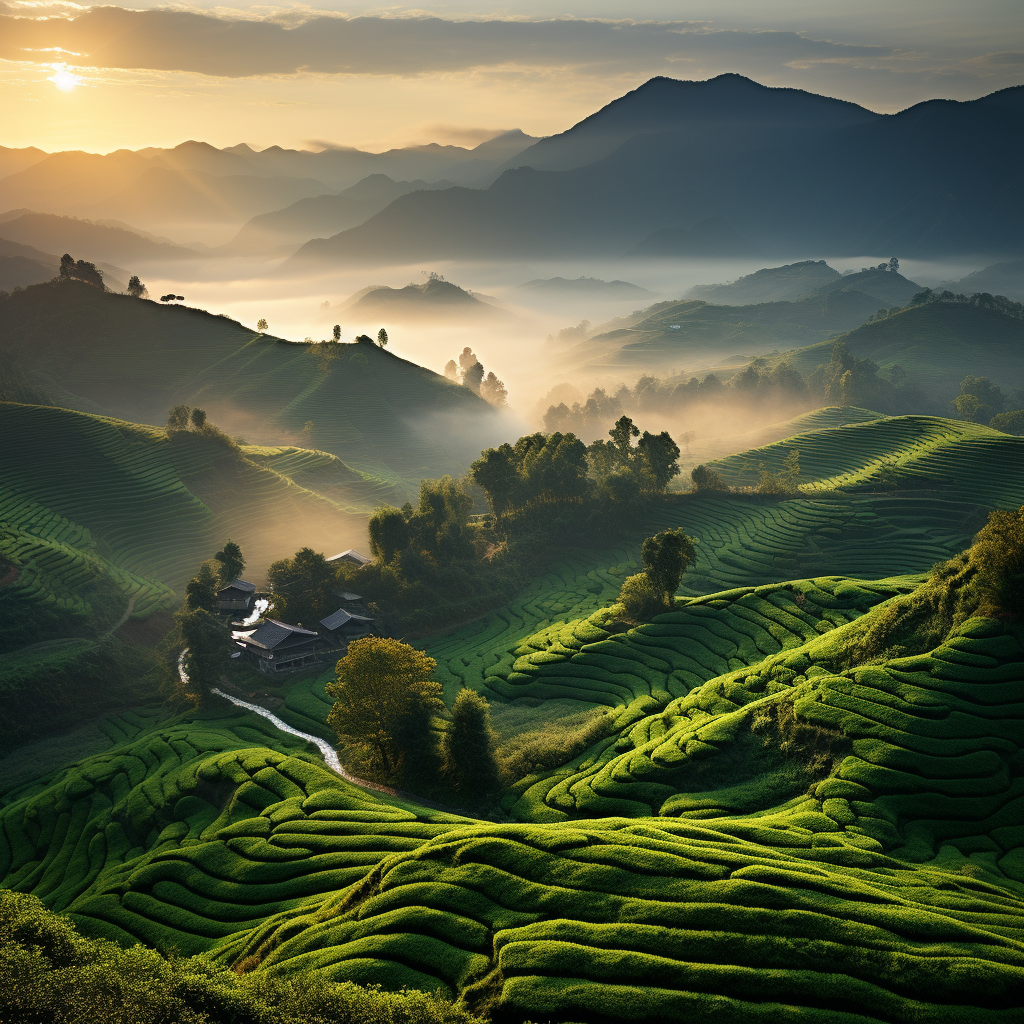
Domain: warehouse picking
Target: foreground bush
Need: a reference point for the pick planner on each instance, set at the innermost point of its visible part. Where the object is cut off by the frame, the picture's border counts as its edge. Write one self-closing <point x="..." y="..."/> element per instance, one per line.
<point x="48" y="972"/>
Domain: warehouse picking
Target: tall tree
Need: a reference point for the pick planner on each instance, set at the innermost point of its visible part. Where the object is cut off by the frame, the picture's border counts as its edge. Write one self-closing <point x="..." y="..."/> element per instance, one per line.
<point x="336" y="334"/>
<point x="378" y="686"/>
<point x="207" y="647"/>
<point x="201" y="590"/>
<point x="136" y="289"/>
<point x="382" y="338"/>
<point x="666" y="556"/>
<point x="232" y="564"/>
<point x="198" y="418"/>
<point x="468" y="749"/>
<point x="262" y="325"/>
<point x="389" y="533"/>
<point x="493" y="390"/>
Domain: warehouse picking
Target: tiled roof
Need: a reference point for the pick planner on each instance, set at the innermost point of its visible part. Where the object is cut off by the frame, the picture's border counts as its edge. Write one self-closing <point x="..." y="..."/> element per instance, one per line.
<point x="246" y="588"/>
<point x="341" y="618"/>
<point x="351" y="597"/>
<point x="272" y="633"/>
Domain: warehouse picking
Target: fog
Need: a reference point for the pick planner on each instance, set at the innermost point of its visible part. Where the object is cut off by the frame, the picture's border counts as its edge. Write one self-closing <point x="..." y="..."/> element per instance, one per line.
<point x="511" y="338"/>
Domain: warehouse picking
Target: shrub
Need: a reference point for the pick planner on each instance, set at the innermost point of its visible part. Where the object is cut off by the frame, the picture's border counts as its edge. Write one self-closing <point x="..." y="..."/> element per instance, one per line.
<point x="639" y="598"/>
<point x="705" y="479"/>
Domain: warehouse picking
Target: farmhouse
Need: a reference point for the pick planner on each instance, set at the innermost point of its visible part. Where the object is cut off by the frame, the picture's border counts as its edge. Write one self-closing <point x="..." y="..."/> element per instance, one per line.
<point x="277" y="647"/>
<point x="350" y="557"/>
<point x="238" y="596"/>
<point x="344" y="625"/>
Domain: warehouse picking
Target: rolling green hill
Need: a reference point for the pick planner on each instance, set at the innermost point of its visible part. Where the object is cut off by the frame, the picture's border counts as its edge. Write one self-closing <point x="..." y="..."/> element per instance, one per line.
<point x="772" y="828"/>
<point x="694" y="329"/>
<point x="938" y="343"/>
<point x="133" y="359"/>
<point x="152" y="503"/>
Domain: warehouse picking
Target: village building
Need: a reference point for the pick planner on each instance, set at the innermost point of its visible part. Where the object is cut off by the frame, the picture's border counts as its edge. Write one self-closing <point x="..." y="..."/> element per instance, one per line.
<point x="344" y="625"/>
<point x="237" y="596"/>
<point x="278" y="647"/>
<point x="351" y="557"/>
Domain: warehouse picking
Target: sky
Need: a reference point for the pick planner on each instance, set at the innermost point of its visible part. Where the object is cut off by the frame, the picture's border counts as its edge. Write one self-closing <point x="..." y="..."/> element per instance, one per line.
<point x="106" y="77"/>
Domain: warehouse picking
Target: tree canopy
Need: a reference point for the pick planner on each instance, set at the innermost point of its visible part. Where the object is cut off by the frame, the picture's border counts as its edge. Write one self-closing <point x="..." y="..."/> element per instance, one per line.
<point x="232" y="564"/>
<point x="378" y="685"/>
<point x="303" y="587"/>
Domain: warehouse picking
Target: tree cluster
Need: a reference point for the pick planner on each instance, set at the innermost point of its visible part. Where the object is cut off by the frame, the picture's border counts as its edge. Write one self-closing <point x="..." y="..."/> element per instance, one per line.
<point x="80" y="271"/>
<point x="171" y="297"/>
<point x="469" y="372"/>
<point x="185" y="417"/>
<point x="390" y="713"/>
<point x="665" y="556"/>
<point x="980" y="300"/>
<point x="304" y="587"/>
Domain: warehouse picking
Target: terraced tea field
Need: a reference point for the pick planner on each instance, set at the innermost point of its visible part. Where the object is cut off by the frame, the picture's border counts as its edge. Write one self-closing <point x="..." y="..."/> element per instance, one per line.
<point x="771" y="829"/>
<point x="886" y="885"/>
<point x="151" y="507"/>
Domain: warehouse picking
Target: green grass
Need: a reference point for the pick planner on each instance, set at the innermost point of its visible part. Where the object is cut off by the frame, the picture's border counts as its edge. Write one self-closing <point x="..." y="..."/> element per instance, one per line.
<point x="772" y="831"/>
<point x="153" y="506"/>
<point x="135" y="359"/>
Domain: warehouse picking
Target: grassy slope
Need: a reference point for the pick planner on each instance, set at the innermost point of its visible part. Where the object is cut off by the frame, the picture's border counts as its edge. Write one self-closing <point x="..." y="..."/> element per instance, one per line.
<point x="149" y="505"/>
<point x="938" y="343"/>
<point x="134" y="359"/>
<point x="730" y="880"/>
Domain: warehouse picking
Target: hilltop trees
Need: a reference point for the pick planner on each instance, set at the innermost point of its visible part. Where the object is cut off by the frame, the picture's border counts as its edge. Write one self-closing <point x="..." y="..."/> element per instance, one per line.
<point x="493" y="390"/>
<point x="382" y="693"/>
<point x="262" y="326"/>
<point x="382" y="338"/>
<point x="136" y="289"/>
<point x="80" y="271"/>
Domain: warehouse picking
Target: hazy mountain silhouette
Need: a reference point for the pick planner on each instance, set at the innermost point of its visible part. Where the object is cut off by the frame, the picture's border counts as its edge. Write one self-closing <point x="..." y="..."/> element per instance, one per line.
<point x="417" y="301"/>
<point x="198" y="183"/>
<point x="999" y="279"/>
<point x="323" y="215"/>
<point x="787" y="170"/>
<point x="86" y="240"/>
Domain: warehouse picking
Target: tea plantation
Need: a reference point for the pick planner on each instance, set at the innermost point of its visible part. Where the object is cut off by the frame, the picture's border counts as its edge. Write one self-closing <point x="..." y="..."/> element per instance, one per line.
<point x="773" y="828"/>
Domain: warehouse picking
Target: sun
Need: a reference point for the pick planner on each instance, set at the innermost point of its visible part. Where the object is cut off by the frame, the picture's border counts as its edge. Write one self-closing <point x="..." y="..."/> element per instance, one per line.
<point x="63" y="78"/>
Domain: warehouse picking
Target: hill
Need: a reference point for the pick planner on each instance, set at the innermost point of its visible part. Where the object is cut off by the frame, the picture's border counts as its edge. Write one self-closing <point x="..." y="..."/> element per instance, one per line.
<point x="753" y="805"/>
<point x="938" y="343"/>
<point x="323" y="215"/>
<point x="890" y="287"/>
<point x="92" y="242"/>
<point x="135" y="359"/>
<point x="999" y="279"/>
<point x="773" y="284"/>
<point x="814" y="156"/>
<point x="668" y="332"/>
<point x="430" y="300"/>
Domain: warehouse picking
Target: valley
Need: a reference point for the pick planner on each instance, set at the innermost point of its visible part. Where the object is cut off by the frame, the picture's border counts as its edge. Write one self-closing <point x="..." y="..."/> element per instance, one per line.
<point x="464" y="646"/>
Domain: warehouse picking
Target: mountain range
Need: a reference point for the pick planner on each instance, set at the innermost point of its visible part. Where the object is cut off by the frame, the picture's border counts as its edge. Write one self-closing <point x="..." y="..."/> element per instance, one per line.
<point x="728" y="164"/>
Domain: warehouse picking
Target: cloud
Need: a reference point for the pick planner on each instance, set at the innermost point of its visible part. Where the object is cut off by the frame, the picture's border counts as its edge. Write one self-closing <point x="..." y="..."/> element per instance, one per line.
<point x="236" y="47"/>
<point x="457" y="134"/>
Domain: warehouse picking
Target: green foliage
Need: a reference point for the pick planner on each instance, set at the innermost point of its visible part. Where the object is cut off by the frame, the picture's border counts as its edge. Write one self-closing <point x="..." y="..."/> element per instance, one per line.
<point x="785" y="482"/>
<point x="383" y="702"/>
<point x="640" y="598"/>
<point x="389" y="533"/>
<point x="48" y="971"/>
<point x="207" y="643"/>
<point x="468" y="750"/>
<point x="998" y="556"/>
<point x="201" y="590"/>
<point x="666" y="556"/>
<point x="232" y="564"/>
<point x="979" y="399"/>
<point x="303" y="587"/>
<point x="1009" y="422"/>
<point x="707" y="479"/>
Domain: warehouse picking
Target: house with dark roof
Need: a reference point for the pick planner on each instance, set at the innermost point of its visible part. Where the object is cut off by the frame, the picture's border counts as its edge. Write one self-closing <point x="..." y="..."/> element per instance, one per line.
<point x="350" y="557"/>
<point x="278" y="647"/>
<point x="344" y="625"/>
<point x="237" y="596"/>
